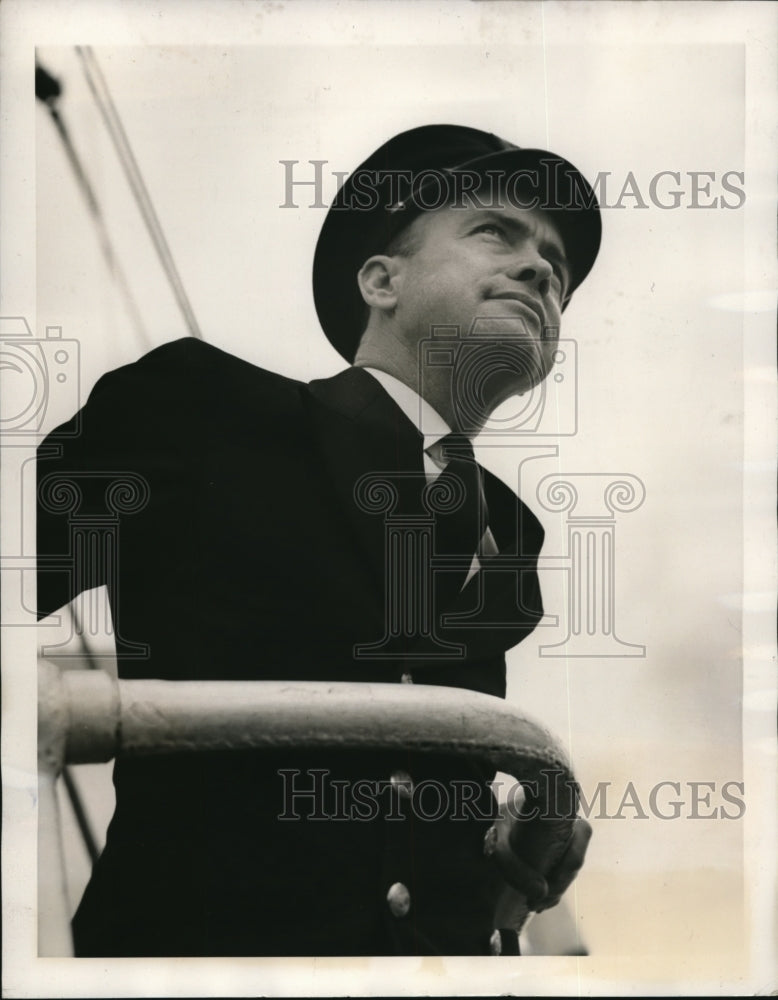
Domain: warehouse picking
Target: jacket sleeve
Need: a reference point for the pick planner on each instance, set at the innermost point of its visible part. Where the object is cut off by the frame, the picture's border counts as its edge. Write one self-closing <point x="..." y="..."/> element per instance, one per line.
<point x="95" y="469"/>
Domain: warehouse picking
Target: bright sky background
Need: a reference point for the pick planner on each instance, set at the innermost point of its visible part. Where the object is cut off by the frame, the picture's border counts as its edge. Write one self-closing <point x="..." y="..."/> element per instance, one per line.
<point x="659" y="329"/>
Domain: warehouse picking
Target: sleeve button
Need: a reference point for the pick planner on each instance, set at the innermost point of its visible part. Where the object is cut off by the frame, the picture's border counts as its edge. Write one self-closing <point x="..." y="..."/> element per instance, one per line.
<point x="399" y="899"/>
<point x="402" y="784"/>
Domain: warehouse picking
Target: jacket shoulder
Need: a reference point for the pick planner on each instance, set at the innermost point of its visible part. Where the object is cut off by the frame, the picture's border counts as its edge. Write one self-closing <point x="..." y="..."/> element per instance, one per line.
<point x="188" y="366"/>
<point x="183" y="384"/>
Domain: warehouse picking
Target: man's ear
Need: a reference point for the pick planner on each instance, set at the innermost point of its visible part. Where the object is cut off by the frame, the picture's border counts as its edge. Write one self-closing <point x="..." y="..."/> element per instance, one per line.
<point x="378" y="282"/>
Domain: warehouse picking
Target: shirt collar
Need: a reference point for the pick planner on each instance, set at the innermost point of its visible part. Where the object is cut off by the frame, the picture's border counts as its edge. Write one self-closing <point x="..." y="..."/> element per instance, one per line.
<point x="424" y="417"/>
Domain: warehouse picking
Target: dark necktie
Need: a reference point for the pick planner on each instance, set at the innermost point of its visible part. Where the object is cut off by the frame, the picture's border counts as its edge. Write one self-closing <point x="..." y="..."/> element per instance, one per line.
<point x="458" y="532"/>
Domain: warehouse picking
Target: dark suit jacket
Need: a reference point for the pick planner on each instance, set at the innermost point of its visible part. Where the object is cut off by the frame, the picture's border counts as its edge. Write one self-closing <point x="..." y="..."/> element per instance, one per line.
<point x="240" y="552"/>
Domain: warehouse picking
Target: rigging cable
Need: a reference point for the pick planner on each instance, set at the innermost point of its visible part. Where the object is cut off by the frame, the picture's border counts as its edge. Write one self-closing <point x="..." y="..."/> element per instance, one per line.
<point x="110" y="115"/>
<point x="48" y="90"/>
<point x="82" y="820"/>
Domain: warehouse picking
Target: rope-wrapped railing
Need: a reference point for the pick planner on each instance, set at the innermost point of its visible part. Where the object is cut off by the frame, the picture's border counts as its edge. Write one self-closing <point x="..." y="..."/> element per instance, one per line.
<point x="86" y="716"/>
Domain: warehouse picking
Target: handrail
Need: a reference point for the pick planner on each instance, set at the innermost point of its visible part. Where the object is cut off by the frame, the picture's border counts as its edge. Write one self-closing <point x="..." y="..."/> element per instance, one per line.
<point x="87" y="716"/>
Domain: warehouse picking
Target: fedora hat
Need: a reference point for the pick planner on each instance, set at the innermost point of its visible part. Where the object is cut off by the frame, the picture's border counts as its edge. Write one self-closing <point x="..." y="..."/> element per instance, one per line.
<point x="424" y="169"/>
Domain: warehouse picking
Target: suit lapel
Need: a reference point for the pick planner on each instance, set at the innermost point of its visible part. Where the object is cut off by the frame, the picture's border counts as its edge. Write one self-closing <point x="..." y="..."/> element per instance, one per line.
<point x="364" y="439"/>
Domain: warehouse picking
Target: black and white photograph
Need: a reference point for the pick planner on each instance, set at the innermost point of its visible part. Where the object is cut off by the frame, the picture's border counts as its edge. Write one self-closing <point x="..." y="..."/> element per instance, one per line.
<point x="388" y="473"/>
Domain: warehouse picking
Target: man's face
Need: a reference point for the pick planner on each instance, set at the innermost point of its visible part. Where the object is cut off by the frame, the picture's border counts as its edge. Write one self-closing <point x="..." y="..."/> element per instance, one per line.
<point x="499" y="276"/>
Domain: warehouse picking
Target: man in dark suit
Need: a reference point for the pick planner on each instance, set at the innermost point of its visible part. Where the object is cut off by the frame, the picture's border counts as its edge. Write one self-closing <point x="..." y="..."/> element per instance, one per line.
<point x="252" y="544"/>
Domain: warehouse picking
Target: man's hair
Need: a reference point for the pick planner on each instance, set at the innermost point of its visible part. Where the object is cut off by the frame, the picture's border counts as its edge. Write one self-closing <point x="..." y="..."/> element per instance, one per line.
<point x="405" y="243"/>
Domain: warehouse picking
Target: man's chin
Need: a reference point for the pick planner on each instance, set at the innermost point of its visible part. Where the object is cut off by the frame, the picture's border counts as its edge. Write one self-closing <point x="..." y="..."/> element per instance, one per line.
<point x="474" y="410"/>
<point x="502" y="392"/>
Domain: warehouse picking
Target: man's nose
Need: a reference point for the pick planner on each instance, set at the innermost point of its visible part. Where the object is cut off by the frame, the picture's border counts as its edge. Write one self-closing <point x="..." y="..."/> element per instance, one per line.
<point x="533" y="270"/>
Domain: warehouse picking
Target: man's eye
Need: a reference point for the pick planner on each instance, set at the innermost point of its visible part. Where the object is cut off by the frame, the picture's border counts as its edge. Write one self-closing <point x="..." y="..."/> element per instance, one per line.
<point x="491" y="228"/>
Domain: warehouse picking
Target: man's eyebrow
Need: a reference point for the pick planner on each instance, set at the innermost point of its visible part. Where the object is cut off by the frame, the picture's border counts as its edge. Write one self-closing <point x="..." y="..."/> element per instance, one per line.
<point x="552" y="249"/>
